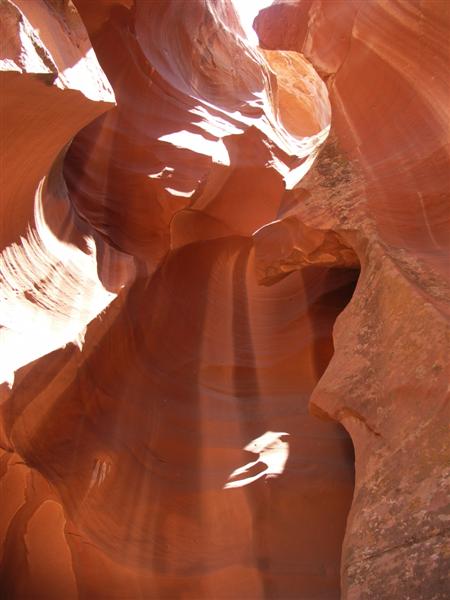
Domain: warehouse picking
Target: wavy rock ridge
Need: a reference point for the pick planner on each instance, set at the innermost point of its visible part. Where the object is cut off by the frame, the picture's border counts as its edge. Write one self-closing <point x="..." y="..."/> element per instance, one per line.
<point x="174" y="259"/>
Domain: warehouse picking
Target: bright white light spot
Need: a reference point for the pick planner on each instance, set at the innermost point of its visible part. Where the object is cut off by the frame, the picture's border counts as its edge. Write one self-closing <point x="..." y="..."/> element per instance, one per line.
<point x="273" y="454"/>
<point x="197" y="143"/>
<point x="247" y="11"/>
<point x="99" y="473"/>
<point x="49" y="292"/>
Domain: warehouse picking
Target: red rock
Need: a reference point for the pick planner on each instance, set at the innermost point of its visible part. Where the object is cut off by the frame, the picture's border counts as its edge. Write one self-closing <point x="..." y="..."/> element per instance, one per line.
<point x="171" y="280"/>
<point x="381" y="183"/>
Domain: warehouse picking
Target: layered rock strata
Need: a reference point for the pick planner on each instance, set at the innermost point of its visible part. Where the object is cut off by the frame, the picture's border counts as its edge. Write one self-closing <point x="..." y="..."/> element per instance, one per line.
<point x="382" y="183"/>
<point x="174" y="259"/>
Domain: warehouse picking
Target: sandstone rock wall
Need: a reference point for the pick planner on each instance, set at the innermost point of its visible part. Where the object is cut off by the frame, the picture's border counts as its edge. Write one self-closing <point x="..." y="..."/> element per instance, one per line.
<point x="382" y="183"/>
<point x="175" y="254"/>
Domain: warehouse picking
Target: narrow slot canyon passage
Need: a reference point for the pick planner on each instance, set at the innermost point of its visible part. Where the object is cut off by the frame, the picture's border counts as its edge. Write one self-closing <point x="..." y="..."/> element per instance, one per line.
<point x="191" y="461"/>
<point x="223" y="300"/>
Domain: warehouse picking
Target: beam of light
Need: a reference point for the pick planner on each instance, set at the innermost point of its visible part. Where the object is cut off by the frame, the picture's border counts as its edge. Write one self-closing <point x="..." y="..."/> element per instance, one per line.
<point x="247" y="11"/>
<point x="273" y="453"/>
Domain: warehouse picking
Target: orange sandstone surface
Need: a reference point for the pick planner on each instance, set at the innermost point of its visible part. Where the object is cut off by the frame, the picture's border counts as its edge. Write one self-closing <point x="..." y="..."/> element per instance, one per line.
<point x="224" y="300"/>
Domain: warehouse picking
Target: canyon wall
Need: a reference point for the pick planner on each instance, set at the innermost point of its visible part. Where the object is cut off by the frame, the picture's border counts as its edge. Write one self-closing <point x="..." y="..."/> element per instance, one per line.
<point x="382" y="182"/>
<point x="224" y="300"/>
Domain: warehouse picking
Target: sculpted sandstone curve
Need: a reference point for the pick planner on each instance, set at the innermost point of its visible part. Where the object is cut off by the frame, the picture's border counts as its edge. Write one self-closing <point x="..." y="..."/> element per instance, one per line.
<point x="381" y="183"/>
<point x="176" y="256"/>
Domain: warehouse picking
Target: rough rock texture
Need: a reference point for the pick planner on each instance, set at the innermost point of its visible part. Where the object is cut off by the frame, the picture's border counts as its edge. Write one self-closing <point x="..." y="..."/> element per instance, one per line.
<point x="170" y="281"/>
<point x="382" y="183"/>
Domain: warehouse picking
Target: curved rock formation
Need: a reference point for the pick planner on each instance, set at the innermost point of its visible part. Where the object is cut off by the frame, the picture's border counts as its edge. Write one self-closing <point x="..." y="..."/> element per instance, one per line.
<point x="175" y="257"/>
<point x="52" y="85"/>
<point x="382" y="184"/>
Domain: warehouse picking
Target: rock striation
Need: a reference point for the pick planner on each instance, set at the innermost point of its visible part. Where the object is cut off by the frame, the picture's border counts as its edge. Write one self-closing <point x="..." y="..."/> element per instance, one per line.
<point x="224" y="300"/>
<point x="381" y="183"/>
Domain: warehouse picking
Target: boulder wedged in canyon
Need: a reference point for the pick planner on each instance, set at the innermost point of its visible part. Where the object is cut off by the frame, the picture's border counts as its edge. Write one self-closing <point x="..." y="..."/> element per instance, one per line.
<point x="171" y="280"/>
